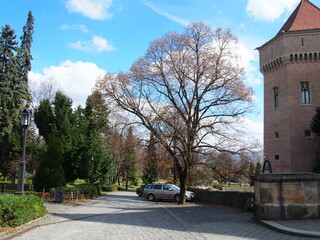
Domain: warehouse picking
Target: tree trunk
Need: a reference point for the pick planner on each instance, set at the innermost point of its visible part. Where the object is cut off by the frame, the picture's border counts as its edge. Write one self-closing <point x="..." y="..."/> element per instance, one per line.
<point x="183" y="185"/>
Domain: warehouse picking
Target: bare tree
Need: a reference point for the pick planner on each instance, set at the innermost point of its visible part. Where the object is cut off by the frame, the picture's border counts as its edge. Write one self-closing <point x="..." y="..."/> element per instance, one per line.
<point x="188" y="91"/>
<point x="44" y="90"/>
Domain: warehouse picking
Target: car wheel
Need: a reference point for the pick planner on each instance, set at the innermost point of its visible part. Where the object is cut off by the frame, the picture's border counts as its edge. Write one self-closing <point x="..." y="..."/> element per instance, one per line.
<point x="177" y="198"/>
<point x="151" y="197"/>
<point x="140" y="194"/>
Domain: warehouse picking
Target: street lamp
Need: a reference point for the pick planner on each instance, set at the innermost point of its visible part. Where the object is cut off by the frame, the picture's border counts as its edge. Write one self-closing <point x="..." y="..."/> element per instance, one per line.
<point x="25" y="123"/>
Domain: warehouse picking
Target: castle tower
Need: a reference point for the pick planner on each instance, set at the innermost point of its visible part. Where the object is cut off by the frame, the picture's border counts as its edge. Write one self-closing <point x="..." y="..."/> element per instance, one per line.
<point x="290" y="63"/>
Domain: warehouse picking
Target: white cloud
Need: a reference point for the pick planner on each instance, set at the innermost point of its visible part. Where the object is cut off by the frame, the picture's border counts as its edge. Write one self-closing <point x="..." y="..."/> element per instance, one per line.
<point x="75" y="79"/>
<point x="95" y="9"/>
<point x="80" y="27"/>
<point x="269" y="10"/>
<point x="253" y="130"/>
<point x="173" y="18"/>
<point x="97" y="44"/>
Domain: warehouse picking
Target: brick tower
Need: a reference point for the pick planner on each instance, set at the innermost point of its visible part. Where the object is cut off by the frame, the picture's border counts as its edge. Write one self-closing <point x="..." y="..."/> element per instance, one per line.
<point x="290" y="63"/>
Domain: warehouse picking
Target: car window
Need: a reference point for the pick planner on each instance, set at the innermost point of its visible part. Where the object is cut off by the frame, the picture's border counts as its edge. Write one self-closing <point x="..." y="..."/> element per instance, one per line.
<point x="149" y="186"/>
<point x="157" y="186"/>
<point x="166" y="187"/>
<point x="175" y="187"/>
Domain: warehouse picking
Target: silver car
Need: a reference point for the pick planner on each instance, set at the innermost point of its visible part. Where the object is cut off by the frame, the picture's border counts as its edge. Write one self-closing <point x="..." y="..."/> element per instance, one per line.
<point x="161" y="191"/>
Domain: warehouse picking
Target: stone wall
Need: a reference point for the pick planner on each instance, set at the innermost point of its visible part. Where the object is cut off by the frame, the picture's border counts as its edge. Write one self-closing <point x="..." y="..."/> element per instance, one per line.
<point x="287" y="196"/>
<point x="232" y="199"/>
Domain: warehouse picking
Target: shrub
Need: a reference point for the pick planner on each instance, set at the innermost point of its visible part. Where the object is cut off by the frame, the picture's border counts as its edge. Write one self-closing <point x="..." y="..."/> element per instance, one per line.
<point x="89" y="191"/>
<point x="110" y="188"/>
<point x="19" y="209"/>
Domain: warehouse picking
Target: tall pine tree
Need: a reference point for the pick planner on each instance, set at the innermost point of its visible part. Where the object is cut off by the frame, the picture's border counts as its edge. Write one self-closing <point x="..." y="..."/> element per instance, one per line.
<point x="130" y="173"/>
<point x="13" y="89"/>
<point x="150" y="171"/>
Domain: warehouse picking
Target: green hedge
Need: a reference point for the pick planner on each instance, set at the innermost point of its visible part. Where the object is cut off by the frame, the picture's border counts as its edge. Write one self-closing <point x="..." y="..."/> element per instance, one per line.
<point x="19" y="209"/>
<point x="88" y="190"/>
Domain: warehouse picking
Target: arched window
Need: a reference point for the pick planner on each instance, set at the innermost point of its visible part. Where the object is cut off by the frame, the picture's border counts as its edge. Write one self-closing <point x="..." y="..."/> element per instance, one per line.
<point x="305" y="92"/>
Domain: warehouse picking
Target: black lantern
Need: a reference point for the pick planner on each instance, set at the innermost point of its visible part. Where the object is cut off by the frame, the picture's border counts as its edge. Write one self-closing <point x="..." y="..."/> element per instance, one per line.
<point x="26" y="117"/>
<point x="25" y="123"/>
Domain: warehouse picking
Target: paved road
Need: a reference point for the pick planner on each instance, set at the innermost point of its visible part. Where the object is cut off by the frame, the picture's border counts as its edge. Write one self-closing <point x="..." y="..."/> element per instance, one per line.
<point x="123" y="215"/>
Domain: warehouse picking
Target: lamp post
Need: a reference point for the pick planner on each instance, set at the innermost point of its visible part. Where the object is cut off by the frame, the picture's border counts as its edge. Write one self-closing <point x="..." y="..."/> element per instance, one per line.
<point x="92" y="167"/>
<point x="25" y="123"/>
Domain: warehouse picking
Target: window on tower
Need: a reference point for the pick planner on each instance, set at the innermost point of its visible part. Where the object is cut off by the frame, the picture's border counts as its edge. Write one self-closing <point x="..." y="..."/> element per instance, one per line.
<point x="276" y="96"/>
<point x="305" y="92"/>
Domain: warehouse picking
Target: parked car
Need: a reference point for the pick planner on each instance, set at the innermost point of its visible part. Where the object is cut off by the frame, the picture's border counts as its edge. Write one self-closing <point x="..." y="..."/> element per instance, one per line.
<point x="140" y="189"/>
<point x="166" y="191"/>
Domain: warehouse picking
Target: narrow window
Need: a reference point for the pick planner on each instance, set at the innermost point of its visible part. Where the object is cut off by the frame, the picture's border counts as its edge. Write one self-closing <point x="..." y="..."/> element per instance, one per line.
<point x="305" y="92"/>
<point x="307" y="134"/>
<point x="276" y="135"/>
<point x="276" y="97"/>
<point x="276" y="157"/>
<point x="302" y="42"/>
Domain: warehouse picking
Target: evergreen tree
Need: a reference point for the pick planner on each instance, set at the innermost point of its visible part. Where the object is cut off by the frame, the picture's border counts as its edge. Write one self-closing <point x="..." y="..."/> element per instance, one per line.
<point x="96" y="113"/>
<point x="50" y="172"/>
<point x="315" y="122"/>
<point x="13" y="91"/>
<point x="44" y="119"/>
<point x="24" y="53"/>
<point x="58" y="119"/>
<point x="150" y="171"/>
<point x="129" y="167"/>
<point x="10" y="100"/>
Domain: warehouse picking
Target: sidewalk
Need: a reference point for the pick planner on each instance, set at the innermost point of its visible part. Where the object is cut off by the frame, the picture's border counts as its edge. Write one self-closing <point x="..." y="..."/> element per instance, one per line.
<point x="299" y="227"/>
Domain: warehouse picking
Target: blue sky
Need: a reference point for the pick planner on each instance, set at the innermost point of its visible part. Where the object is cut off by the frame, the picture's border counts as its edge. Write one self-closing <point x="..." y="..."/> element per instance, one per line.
<point x="77" y="41"/>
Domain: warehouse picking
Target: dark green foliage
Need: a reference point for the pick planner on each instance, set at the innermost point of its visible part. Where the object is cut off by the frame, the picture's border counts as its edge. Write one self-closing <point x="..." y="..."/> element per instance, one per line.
<point x="44" y="119"/>
<point x="13" y="91"/>
<point x="129" y="163"/>
<point x="19" y="209"/>
<point x="150" y="171"/>
<point x="82" y="135"/>
<point x="50" y="172"/>
<point x="24" y="54"/>
<point x="315" y="123"/>
<point x="89" y="191"/>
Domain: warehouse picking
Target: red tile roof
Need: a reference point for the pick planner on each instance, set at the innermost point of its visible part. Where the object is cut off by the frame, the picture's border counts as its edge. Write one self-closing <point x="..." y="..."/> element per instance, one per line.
<point x="305" y="16"/>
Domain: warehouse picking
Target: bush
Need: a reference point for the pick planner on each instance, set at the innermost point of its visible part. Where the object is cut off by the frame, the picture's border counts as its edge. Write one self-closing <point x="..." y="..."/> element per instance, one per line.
<point x="110" y="188"/>
<point x="89" y="191"/>
<point x="19" y="209"/>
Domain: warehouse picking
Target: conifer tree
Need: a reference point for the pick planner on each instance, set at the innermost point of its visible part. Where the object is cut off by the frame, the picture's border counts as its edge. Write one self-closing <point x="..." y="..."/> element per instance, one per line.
<point x="150" y="171"/>
<point x="130" y="160"/>
<point x="24" y="53"/>
<point x="13" y="89"/>
<point x="50" y="172"/>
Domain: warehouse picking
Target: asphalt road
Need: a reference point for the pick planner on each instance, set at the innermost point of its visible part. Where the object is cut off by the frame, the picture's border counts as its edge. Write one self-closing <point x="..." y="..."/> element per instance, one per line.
<point x="123" y="215"/>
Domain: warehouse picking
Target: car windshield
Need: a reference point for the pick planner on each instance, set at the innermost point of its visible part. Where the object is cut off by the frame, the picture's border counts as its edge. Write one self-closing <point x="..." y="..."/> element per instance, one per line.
<point x="174" y="187"/>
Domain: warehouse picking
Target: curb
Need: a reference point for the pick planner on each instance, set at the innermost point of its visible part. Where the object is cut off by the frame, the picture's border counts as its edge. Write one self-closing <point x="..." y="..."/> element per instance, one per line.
<point x="281" y="228"/>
